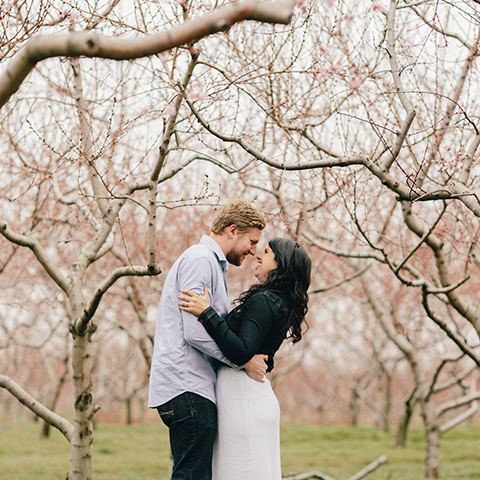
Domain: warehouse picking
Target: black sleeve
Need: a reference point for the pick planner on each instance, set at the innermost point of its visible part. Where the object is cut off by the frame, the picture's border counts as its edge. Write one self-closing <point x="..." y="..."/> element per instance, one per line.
<point x="257" y="320"/>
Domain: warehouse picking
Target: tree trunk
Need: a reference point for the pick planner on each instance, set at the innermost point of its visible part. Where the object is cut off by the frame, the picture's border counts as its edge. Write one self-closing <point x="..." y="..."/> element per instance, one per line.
<point x="388" y="402"/>
<point x="354" y="408"/>
<point x="129" y="410"/>
<point x="405" y="421"/>
<point x="81" y="445"/>
<point x="61" y="381"/>
<point x="432" y="441"/>
<point x="45" y="430"/>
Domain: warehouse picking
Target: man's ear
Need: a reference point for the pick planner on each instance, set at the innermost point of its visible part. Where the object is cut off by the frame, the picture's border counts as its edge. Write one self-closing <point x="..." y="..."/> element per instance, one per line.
<point x="232" y="230"/>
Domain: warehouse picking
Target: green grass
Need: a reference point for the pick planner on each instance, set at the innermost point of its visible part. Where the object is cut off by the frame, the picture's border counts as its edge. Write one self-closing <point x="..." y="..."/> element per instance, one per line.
<point x="141" y="452"/>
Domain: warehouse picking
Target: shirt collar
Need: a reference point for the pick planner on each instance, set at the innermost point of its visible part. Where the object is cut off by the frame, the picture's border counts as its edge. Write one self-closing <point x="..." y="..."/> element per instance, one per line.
<point x="215" y="247"/>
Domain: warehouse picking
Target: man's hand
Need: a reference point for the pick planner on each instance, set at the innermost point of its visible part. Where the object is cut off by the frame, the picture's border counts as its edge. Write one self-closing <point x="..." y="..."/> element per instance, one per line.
<point x="256" y="368"/>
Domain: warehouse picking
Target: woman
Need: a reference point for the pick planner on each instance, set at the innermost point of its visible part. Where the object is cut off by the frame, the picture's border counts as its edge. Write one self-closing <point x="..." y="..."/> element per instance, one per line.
<point x="248" y="444"/>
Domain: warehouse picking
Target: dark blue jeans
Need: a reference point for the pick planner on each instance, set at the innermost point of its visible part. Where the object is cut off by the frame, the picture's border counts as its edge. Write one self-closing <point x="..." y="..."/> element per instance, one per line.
<point x="192" y="423"/>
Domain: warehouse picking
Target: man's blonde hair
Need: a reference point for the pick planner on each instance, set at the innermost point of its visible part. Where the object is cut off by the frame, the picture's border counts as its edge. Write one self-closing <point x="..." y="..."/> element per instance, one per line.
<point x="239" y="212"/>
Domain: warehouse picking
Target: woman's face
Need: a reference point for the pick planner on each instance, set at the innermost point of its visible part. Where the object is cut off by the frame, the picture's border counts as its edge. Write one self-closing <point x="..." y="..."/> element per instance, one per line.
<point x="266" y="263"/>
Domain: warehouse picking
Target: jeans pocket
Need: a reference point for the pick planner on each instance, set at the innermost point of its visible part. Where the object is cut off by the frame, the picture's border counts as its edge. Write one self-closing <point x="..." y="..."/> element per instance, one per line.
<point x="166" y="413"/>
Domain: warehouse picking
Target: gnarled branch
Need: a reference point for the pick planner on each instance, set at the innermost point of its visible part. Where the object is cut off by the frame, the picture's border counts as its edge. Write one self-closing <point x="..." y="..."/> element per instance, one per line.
<point x="90" y="44"/>
<point x="36" y="407"/>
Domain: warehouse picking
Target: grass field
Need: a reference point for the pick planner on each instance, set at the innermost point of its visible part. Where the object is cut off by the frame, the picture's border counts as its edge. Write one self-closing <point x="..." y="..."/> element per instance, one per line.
<point x="141" y="452"/>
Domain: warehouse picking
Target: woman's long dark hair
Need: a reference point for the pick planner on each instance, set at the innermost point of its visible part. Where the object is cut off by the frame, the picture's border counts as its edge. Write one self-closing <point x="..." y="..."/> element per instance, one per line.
<point x="290" y="280"/>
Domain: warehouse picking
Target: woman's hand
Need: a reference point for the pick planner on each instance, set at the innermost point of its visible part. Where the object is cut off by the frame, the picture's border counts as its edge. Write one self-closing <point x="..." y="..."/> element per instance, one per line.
<point x="193" y="303"/>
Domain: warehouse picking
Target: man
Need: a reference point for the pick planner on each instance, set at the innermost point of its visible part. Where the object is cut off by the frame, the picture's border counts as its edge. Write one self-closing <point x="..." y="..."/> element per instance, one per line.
<point x="182" y="378"/>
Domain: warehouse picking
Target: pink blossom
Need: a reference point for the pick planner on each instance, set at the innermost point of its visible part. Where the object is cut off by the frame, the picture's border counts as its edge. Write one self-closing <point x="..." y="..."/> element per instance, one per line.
<point x="323" y="73"/>
<point x="356" y="81"/>
<point x="374" y="112"/>
<point x="171" y="110"/>
<point x="302" y="5"/>
<point x="376" y="6"/>
<point x="329" y="2"/>
<point x="144" y="111"/>
<point x="197" y="96"/>
<point x="165" y="54"/>
<point x="197" y="92"/>
<point x="323" y="49"/>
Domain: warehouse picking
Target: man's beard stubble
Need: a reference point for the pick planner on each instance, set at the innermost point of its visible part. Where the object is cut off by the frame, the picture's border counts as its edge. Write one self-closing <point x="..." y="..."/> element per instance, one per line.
<point x="235" y="258"/>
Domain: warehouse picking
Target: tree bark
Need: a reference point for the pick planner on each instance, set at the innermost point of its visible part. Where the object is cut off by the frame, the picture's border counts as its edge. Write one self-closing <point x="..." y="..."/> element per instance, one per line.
<point x="405" y="421"/>
<point x="128" y="403"/>
<point x="432" y="441"/>
<point x="82" y="441"/>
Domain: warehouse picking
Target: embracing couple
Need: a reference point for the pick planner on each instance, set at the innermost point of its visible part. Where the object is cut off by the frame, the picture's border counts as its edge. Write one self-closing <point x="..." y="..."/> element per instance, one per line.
<point x="207" y="378"/>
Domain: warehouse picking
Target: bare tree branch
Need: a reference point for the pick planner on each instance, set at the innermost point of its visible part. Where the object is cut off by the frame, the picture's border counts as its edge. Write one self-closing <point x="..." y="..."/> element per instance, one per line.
<point x="458" y="339"/>
<point x="33" y="244"/>
<point x="163" y="152"/>
<point x="457" y="403"/>
<point x="460" y="418"/>
<point x="108" y="282"/>
<point x="36" y="407"/>
<point x="87" y="145"/>
<point x="92" y="45"/>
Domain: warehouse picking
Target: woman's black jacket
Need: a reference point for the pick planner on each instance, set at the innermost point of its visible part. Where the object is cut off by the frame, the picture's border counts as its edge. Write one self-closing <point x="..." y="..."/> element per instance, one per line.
<point x="258" y="326"/>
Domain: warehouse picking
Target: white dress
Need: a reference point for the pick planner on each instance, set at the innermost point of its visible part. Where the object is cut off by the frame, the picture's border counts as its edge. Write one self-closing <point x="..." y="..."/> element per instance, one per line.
<point x="248" y="441"/>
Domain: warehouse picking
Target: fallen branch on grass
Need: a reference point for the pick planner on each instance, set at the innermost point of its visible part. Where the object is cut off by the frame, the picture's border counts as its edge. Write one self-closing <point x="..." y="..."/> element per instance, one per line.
<point x="359" y="475"/>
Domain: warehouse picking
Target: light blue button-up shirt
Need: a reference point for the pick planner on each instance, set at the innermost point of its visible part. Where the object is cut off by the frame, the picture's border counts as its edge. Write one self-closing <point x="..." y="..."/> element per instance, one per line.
<point x="183" y="350"/>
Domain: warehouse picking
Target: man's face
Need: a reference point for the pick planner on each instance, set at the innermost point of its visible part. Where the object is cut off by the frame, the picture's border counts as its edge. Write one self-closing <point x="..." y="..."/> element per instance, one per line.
<point x="243" y="244"/>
